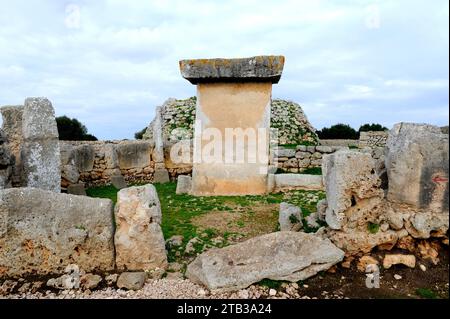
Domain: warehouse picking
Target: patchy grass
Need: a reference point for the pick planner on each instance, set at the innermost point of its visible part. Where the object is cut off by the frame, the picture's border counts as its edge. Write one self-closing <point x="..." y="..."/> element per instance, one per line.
<point x="218" y="221"/>
<point x="103" y="192"/>
<point x="426" y="293"/>
<point x="373" y="228"/>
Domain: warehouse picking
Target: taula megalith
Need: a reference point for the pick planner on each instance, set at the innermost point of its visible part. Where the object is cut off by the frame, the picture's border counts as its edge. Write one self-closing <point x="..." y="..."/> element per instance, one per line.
<point x="40" y="152"/>
<point x="231" y="134"/>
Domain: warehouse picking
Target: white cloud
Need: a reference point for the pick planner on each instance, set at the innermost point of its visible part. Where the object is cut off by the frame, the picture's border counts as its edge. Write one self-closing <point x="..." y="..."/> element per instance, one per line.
<point x="116" y="60"/>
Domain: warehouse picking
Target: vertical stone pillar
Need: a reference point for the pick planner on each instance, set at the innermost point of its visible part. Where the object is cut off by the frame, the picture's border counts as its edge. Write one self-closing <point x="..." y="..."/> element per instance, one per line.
<point x="40" y="152"/>
<point x="12" y="128"/>
<point x="161" y="175"/>
<point x="231" y="142"/>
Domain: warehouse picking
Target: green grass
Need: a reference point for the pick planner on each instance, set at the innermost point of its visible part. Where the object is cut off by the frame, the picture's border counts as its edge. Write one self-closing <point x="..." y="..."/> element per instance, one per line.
<point x="312" y="171"/>
<point x="426" y="293"/>
<point x="103" y="192"/>
<point x="373" y="228"/>
<point x="178" y="212"/>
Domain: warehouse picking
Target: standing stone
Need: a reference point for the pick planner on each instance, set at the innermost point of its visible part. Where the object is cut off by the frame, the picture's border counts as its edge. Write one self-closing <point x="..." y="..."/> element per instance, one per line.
<point x="161" y="175"/>
<point x="12" y="128"/>
<point x="40" y="151"/>
<point x="41" y="232"/>
<point x="118" y="181"/>
<point x="233" y="102"/>
<point x="6" y="163"/>
<point x="352" y="187"/>
<point x="139" y="239"/>
<point x="417" y="163"/>
<point x="290" y="217"/>
<point x="184" y="184"/>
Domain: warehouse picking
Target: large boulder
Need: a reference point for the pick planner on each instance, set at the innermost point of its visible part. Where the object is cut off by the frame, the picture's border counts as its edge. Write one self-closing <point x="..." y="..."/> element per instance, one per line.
<point x="41" y="232"/>
<point x="352" y="187"/>
<point x="417" y="163"/>
<point x="290" y="256"/>
<point x="139" y="239"/>
<point x="40" y="151"/>
<point x="290" y="217"/>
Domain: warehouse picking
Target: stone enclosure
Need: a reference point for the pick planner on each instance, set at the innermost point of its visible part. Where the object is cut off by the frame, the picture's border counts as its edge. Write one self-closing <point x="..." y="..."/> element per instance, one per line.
<point x="391" y="189"/>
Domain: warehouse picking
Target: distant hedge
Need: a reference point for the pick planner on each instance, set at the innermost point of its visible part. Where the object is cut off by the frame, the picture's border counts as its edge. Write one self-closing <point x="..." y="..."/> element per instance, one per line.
<point x="72" y="130"/>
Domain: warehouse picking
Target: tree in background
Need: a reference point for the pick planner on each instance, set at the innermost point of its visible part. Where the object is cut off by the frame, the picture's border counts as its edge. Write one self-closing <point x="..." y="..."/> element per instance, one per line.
<point x="338" y="131"/>
<point x="140" y="134"/>
<point x="372" y="127"/>
<point x="72" y="130"/>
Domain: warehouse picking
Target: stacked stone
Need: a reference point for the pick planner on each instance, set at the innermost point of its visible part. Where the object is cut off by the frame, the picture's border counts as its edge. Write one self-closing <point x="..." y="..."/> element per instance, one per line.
<point x="6" y="163"/>
<point x="178" y="117"/>
<point x="292" y="123"/>
<point x="373" y="139"/>
<point x="94" y="163"/>
<point x="302" y="157"/>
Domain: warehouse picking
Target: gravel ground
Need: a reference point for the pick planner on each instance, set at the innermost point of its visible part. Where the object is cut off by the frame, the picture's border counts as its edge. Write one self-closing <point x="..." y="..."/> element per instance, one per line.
<point x="167" y="289"/>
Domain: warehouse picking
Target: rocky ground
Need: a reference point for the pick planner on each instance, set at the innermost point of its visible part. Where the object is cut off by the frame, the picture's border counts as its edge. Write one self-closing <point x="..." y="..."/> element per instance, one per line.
<point x="425" y="280"/>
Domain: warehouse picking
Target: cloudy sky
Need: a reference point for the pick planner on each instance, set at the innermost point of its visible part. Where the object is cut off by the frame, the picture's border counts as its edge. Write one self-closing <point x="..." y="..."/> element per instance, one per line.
<point x="110" y="62"/>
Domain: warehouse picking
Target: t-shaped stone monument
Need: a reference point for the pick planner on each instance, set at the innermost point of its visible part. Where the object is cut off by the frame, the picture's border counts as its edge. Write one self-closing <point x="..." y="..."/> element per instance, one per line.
<point x="231" y="141"/>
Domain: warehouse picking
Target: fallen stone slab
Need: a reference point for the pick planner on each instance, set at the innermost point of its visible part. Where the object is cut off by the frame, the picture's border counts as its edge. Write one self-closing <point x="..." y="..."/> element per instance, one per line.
<point x="290" y="256"/>
<point x="298" y="181"/>
<point x="41" y="232"/>
<point x="139" y="239"/>
<point x="253" y="69"/>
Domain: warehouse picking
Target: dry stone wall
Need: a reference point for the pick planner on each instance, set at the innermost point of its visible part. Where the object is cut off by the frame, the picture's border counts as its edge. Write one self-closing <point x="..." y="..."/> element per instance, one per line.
<point x="94" y="162"/>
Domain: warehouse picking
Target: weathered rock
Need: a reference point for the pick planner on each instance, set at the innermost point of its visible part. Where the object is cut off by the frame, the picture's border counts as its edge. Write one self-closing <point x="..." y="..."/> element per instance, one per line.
<point x="395" y="259"/>
<point x="254" y="69"/>
<point x="118" y="181"/>
<point x="70" y="173"/>
<point x="132" y="155"/>
<point x="12" y="128"/>
<point x="139" y="239"/>
<point x="70" y="280"/>
<point x="90" y="281"/>
<point x="6" y="163"/>
<point x="311" y="220"/>
<point x="174" y="241"/>
<point x="161" y="176"/>
<point x="290" y="256"/>
<point x="40" y="149"/>
<point x="131" y="280"/>
<point x="298" y="181"/>
<point x="417" y="162"/>
<point x="284" y="152"/>
<point x="290" y="217"/>
<point x="428" y="251"/>
<point x="355" y="241"/>
<point x="365" y="261"/>
<point x="111" y="279"/>
<point x="352" y="187"/>
<point x="184" y="184"/>
<point x="421" y="224"/>
<point x="76" y="189"/>
<point x="41" y="232"/>
<point x="82" y="157"/>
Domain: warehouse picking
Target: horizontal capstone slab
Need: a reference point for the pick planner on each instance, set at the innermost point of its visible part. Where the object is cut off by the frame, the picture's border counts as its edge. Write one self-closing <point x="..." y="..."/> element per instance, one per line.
<point x="267" y="68"/>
